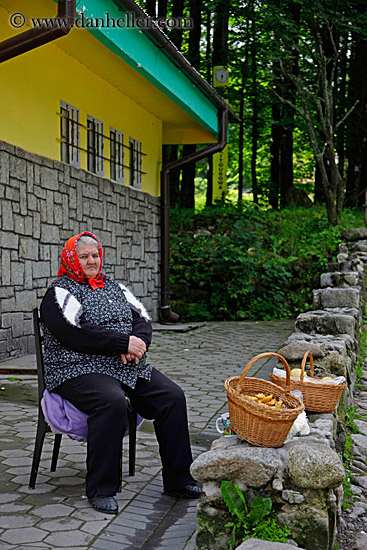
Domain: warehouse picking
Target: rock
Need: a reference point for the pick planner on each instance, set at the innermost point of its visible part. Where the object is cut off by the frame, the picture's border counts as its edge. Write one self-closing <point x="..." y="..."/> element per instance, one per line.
<point x="339" y="297"/>
<point x="361" y="542"/>
<point x="322" y="428"/>
<point x="296" y="351"/>
<point x="293" y="497"/>
<point x="354" y="234"/>
<point x="254" y="466"/>
<point x="323" y="322"/>
<point x="202" y="233"/>
<point x="257" y="544"/>
<point x="358" y="510"/>
<point x="361" y="425"/>
<point x="360" y="246"/>
<point x="339" y="279"/>
<point x="343" y="248"/>
<point x="224" y="442"/>
<point x="342" y="343"/>
<point x="297" y="197"/>
<point x="361" y="481"/>
<point x="342" y="258"/>
<point x="360" y="465"/>
<point x="360" y="441"/>
<point x="314" y="466"/>
<point x="356" y="490"/>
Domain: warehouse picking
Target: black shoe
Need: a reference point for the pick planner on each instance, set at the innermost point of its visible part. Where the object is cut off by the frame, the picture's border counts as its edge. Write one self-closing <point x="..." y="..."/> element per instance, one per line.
<point x="106" y="505"/>
<point x="187" y="491"/>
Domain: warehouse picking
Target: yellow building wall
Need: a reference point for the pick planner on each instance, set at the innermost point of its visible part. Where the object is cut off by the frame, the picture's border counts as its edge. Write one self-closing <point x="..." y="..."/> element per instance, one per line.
<point x="31" y="87"/>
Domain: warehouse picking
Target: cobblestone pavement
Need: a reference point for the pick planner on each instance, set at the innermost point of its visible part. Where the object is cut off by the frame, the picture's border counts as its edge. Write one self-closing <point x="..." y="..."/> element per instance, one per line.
<point x="56" y="515"/>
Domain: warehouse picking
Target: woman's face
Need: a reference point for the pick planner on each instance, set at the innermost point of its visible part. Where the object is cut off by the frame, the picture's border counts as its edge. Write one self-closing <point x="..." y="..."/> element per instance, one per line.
<point x="89" y="259"/>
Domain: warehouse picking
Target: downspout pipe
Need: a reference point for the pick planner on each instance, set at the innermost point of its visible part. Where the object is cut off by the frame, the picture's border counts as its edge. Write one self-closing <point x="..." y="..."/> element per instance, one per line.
<point x="166" y="315"/>
<point x="33" y="38"/>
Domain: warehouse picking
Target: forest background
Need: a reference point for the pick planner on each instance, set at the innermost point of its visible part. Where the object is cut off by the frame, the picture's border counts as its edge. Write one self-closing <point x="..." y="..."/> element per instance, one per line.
<point x="297" y="169"/>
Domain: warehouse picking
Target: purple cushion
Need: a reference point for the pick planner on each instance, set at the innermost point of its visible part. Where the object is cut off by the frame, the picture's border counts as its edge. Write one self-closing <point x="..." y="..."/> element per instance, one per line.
<point x="64" y="418"/>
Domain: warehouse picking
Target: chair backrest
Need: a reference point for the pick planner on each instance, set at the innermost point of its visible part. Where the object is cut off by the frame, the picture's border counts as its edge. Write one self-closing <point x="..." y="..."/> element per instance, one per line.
<point x="39" y="352"/>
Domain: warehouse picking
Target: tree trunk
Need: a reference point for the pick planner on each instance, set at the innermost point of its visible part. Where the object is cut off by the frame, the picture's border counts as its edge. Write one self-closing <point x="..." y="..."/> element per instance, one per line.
<point x="177" y="34"/>
<point x="340" y="84"/>
<point x="150" y="7"/>
<point x="274" y="157"/>
<point x="255" y="132"/>
<point x="188" y="173"/>
<point x="209" y="189"/>
<point x="220" y="34"/>
<point x="318" y="189"/>
<point x="188" y="180"/>
<point x="240" y="142"/>
<point x="286" y="163"/>
<point x="170" y="153"/>
<point x="162" y="8"/>
<point x="357" y="126"/>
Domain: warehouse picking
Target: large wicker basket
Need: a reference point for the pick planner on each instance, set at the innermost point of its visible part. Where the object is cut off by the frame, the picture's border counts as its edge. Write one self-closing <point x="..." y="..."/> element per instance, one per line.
<point x="316" y="397"/>
<point x="260" y="425"/>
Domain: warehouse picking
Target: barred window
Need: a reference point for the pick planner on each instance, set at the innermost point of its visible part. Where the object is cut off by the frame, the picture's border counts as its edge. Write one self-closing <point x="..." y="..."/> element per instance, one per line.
<point x="95" y="146"/>
<point x="116" y="155"/>
<point x="69" y="134"/>
<point x="135" y="162"/>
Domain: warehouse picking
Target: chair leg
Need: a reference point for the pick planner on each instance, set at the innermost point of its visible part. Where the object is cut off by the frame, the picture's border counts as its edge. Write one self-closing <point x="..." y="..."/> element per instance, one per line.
<point x="55" y="452"/>
<point x="132" y="442"/>
<point x="42" y="429"/>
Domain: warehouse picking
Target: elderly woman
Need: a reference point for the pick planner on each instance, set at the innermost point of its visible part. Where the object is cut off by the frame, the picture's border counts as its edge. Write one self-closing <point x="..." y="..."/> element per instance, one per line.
<point x="96" y="334"/>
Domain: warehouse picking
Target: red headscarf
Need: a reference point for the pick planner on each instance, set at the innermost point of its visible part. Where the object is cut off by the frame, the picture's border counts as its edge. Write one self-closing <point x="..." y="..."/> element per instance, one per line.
<point x="70" y="265"/>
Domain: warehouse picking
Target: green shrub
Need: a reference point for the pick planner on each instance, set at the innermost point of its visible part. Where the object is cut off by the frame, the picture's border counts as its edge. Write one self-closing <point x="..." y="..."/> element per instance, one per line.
<point x="252" y="523"/>
<point x="250" y="263"/>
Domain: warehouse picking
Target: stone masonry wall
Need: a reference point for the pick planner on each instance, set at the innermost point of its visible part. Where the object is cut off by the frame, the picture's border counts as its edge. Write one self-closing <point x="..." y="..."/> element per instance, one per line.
<point x="43" y="203"/>
<point x="304" y="477"/>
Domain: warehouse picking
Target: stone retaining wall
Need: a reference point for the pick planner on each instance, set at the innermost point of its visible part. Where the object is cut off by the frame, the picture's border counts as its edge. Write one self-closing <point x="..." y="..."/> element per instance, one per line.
<point x="304" y="477"/>
<point x="43" y="203"/>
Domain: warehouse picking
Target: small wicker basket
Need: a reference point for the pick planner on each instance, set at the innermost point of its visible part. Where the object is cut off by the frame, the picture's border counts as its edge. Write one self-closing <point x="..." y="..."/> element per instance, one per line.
<point x="316" y="397"/>
<point x="260" y="425"/>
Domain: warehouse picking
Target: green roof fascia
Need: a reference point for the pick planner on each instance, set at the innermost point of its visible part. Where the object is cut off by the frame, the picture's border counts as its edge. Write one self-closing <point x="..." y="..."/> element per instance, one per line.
<point x="137" y="49"/>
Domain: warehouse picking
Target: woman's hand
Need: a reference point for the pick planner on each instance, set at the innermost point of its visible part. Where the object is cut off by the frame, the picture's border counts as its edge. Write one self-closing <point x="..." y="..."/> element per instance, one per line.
<point x="136" y="350"/>
<point x="129" y="357"/>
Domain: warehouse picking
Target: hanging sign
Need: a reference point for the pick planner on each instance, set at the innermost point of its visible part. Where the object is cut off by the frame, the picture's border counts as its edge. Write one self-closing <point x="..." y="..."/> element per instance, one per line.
<point x="220" y="163"/>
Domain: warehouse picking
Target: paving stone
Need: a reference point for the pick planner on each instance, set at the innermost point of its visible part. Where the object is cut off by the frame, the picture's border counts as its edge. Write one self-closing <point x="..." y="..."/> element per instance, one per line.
<point x="24" y="479"/>
<point x="40" y="488"/>
<point x="94" y="527"/>
<point x="14" y="453"/>
<point x="28" y="534"/>
<point x="14" y="507"/>
<point x="18" y="521"/>
<point x="60" y="524"/>
<point x="69" y="539"/>
<point x="52" y="511"/>
<point x="18" y="461"/>
<point x="8" y="497"/>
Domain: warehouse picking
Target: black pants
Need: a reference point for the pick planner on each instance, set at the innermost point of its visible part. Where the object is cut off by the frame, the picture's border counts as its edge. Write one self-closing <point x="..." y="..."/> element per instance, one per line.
<point x="103" y="399"/>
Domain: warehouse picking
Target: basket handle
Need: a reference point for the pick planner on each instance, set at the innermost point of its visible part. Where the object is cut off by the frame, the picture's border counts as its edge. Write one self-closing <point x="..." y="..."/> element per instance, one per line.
<point x="261" y="356"/>
<point x="304" y="360"/>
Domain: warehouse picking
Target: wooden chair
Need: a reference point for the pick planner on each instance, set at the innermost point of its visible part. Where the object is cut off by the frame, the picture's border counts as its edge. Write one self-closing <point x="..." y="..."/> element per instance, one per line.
<point x="43" y="427"/>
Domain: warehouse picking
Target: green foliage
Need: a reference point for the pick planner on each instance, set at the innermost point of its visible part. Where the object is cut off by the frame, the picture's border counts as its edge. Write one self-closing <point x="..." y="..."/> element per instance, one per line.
<point x="251" y="524"/>
<point x="250" y="263"/>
